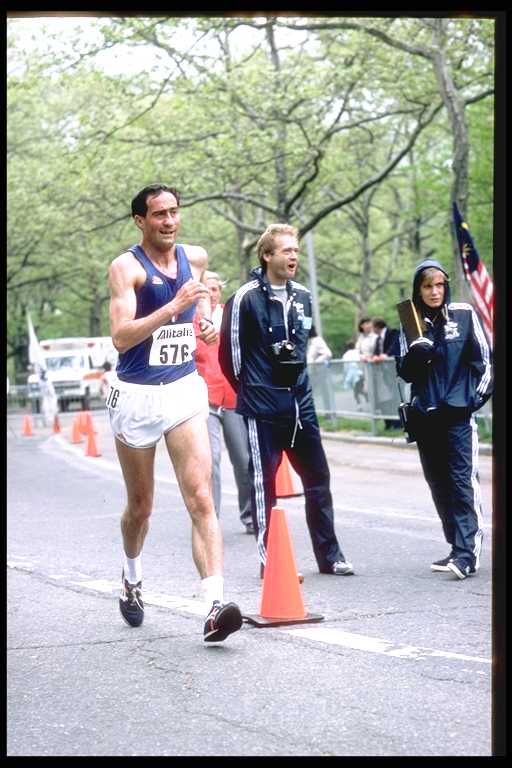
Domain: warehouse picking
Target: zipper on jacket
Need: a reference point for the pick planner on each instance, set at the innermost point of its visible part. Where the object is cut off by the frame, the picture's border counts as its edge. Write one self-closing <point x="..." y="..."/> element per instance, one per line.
<point x="285" y="310"/>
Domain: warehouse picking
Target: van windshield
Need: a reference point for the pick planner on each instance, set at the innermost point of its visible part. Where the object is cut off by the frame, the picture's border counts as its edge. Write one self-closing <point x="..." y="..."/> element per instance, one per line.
<point x="68" y="361"/>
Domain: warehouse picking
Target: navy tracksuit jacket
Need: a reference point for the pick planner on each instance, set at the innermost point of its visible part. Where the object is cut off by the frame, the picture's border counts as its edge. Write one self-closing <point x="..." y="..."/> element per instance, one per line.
<point x="279" y="412"/>
<point x="450" y="371"/>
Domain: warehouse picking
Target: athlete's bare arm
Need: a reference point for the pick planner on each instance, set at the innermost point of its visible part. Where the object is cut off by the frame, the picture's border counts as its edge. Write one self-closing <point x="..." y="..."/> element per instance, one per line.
<point x="198" y="260"/>
<point x="125" y="275"/>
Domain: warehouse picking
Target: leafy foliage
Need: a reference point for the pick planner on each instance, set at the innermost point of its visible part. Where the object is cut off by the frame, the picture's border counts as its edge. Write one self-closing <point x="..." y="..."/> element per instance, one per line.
<point x="254" y="120"/>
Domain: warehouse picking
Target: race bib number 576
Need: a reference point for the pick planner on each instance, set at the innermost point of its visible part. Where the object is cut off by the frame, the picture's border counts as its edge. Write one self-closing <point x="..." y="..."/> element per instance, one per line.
<point x="172" y="344"/>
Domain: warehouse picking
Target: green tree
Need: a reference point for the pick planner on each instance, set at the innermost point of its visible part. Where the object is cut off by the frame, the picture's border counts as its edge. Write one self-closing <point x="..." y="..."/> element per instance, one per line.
<point x="308" y="126"/>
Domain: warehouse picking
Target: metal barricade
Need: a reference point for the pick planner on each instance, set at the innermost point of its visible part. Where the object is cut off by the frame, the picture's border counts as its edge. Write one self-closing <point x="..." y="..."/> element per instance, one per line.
<point x="368" y="391"/>
<point x="17" y="397"/>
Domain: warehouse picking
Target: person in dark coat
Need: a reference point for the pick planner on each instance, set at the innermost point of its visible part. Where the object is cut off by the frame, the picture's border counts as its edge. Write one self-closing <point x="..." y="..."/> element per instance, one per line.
<point x="449" y="367"/>
<point x="263" y="345"/>
<point x="386" y="349"/>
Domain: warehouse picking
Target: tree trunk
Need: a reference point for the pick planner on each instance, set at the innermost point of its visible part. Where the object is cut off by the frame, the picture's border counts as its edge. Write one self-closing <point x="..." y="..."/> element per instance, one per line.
<point x="95" y="324"/>
<point x="460" y="167"/>
<point x="281" y="131"/>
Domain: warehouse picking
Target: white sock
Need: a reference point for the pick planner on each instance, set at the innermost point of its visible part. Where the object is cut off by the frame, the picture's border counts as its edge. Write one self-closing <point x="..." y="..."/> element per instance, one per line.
<point x="213" y="589"/>
<point x="133" y="569"/>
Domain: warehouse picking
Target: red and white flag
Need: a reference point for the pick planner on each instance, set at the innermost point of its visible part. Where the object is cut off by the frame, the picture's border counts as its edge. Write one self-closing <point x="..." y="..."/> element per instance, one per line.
<point x="475" y="272"/>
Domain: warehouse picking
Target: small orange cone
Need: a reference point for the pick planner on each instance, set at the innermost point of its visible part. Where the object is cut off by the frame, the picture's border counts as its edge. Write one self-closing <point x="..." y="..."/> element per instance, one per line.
<point x="27" y="430"/>
<point x="84" y="418"/>
<point x="91" y="448"/>
<point x="76" y="435"/>
<point x="281" y="597"/>
<point x="56" y="425"/>
<point x="284" y="482"/>
<point x="89" y="423"/>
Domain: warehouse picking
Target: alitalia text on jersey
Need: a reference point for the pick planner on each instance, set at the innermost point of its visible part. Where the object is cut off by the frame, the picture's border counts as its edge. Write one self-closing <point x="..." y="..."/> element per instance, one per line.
<point x="168" y="354"/>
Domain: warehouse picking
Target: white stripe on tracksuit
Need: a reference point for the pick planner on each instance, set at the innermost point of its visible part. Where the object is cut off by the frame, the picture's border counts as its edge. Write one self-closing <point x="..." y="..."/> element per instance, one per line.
<point x="481" y="338"/>
<point x="259" y="491"/>
<point x="477" y="496"/>
<point x="236" y="354"/>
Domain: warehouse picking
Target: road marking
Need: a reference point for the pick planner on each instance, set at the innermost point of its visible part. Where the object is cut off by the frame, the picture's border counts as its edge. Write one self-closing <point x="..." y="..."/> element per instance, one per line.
<point x="150" y="598"/>
<point x="97" y="462"/>
<point x="20" y="564"/>
<point x="299" y="503"/>
<point x="377" y="645"/>
<point x="316" y="634"/>
<point x="114" y="466"/>
<point x="297" y="506"/>
<point x="383" y="512"/>
<point x="319" y="635"/>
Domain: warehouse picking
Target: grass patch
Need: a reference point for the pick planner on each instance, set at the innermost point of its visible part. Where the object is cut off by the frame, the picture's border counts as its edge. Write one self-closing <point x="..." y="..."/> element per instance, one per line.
<point x="484" y="430"/>
<point x="342" y="424"/>
<point x="364" y="426"/>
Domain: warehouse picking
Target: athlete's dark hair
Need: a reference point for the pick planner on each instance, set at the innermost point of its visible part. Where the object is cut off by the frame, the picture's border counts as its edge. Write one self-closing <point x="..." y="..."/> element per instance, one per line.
<point x="140" y="201"/>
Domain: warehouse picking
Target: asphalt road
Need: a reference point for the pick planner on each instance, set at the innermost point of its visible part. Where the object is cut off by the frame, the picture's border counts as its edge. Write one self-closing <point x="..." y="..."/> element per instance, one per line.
<point x="399" y="666"/>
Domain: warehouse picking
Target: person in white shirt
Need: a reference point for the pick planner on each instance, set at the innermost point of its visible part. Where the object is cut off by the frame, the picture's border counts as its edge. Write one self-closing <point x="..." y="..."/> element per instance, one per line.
<point x="365" y="343"/>
<point x="353" y="374"/>
<point x="318" y="357"/>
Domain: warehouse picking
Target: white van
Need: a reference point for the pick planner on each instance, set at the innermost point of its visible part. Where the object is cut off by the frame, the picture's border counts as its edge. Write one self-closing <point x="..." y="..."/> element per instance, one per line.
<point x="75" y="368"/>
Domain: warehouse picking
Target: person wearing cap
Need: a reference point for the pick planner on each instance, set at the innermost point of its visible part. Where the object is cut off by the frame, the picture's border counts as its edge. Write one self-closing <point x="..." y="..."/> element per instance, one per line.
<point x="449" y="368"/>
<point x="223" y="420"/>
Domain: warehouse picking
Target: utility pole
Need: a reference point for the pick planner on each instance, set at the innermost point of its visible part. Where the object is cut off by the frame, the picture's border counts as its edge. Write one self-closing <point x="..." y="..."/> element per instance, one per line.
<point x="312" y="282"/>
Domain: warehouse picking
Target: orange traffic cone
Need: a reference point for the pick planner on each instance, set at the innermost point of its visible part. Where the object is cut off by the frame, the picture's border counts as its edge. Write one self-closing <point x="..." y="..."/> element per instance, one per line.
<point x="56" y="425"/>
<point x="91" y="448"/>
<point x="281" y="597"/>
<point x="76" y="434"/>
<point x="27" y="430"/>
<point x="83" y="421"/>
<point x="284" y="482"/>
<point x="89" y="423"/>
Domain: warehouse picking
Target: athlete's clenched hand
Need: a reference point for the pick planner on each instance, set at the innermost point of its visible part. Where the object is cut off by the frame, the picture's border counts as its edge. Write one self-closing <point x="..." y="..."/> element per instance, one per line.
<point x="190" y="292"/>
<point x="208" y="332"/>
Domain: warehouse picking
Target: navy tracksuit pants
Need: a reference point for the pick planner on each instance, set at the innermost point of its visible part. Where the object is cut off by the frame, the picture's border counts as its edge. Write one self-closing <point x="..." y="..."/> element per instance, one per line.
<point x="267" y="440"/>
<point x="448" y="446"/>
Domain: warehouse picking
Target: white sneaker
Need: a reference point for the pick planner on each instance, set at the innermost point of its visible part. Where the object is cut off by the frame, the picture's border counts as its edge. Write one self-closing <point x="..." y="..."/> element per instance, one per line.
<point x="441" y="565"/>
<point x="342" y="568"/>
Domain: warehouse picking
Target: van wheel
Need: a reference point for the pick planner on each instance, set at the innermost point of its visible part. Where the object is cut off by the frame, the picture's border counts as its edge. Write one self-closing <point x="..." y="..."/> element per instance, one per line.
<point x="86" y="402"/>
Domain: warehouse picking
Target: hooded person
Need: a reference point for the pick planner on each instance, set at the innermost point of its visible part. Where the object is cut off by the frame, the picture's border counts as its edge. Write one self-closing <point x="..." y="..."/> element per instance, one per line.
<point x="449" y="368"/>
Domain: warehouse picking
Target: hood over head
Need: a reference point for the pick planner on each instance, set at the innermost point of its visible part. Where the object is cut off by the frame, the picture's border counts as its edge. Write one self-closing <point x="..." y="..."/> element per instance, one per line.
<point x="418" y="272"/>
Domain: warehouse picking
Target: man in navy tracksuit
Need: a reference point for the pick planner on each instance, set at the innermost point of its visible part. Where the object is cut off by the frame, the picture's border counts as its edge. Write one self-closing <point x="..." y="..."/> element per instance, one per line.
<point x="449" y="366"/>
<point x="264" y="335"/>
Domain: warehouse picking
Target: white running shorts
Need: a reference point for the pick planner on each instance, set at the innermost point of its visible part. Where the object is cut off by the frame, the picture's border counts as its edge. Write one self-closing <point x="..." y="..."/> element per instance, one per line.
<point x="141" y="413"/>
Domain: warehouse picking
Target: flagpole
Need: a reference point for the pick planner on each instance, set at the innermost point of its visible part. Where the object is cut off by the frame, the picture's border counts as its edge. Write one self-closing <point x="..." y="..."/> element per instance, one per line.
<point x="48" y="398"/>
